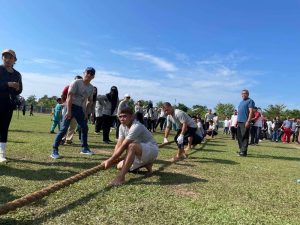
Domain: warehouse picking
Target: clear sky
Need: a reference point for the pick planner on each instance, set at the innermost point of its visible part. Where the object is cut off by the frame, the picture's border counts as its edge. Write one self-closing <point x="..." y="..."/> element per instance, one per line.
<point x="188" y="51"/>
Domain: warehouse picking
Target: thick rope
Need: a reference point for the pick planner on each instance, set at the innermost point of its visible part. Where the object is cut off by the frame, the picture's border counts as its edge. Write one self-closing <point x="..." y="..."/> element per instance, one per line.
<point x="35" y="196"/>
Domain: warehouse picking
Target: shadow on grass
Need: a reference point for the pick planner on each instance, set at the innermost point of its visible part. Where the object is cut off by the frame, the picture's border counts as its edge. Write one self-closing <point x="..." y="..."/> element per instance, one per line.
<point x="80" y="165"/>
<point x="211" y="150"/>
<point x="39" y="175"/>
<point x="166" y="178"/>
<point x="220" y="161"/>
<point x="60" y="211"/>
<point x="275" y="157"/>
<point x="5" y="194"/>
<point x="29" y="131"/>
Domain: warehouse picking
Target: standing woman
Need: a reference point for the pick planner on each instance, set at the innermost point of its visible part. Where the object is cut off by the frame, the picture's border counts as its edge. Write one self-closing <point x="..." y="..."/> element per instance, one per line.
<point x="10" y="87"/>
<point x="110" y="103"/>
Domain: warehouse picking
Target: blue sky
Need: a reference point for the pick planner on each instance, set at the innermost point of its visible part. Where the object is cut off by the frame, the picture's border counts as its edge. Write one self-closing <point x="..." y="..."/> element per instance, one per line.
<point x="188" y="51"/>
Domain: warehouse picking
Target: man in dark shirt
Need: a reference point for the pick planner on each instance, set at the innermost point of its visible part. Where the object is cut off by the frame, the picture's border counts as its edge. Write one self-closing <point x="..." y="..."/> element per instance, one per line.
<point x="245" y="113"/>
<point x="276" y="131"/>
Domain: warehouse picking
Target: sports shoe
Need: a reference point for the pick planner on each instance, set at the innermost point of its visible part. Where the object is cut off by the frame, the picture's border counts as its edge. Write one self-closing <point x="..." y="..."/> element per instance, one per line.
<point x="54" y="154"/>
<point x="86" y="151"/>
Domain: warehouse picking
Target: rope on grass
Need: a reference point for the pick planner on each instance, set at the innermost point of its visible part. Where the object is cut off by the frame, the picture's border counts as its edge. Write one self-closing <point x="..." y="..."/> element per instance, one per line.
<point x="35" y="196"/>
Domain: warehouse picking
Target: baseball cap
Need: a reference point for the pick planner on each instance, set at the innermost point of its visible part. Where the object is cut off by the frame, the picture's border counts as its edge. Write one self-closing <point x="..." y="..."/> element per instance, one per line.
<point x="126" y="96"/>
<point x="90" y="70"/>
<point x="9" y="51"/>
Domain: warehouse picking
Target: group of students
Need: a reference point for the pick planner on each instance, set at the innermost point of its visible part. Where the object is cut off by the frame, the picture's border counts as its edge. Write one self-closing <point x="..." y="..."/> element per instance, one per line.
<point x="135" y="147"/>
<point x="261" y="127"/>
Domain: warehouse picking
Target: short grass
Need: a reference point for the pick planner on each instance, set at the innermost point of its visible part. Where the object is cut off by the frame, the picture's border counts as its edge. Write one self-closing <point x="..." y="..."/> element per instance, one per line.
<point x="213" y="186"/>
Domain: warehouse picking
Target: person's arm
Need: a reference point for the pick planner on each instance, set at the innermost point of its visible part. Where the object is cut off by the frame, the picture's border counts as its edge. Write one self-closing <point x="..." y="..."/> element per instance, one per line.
<point x="121" y="146"/>
<point x="247" y="125"/>
<point x="89" y="104"/>
<point x="184" y="128"/>
<point x="69" y="105"/>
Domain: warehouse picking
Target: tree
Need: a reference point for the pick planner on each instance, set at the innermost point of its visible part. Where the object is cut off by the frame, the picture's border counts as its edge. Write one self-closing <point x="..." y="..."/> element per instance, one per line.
<point x="47" y="102"/>
<point x="31" y="100"/>
<point x="294" y="113"/>
<point x="198" y="110"/>
<point x="182" y="107"/>
<point x="224" y="110"/>
<point x="159" y="104"/>
<point x="274" y="110"/>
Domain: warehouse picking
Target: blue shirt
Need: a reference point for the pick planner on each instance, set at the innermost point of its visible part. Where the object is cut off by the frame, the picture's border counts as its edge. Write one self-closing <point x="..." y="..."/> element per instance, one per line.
<point x="243" y="109"/>
<point x="287" y="124"/>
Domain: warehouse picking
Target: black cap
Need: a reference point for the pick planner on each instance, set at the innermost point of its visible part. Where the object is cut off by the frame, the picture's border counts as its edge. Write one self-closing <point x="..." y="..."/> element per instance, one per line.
<point x="90" y="70"/>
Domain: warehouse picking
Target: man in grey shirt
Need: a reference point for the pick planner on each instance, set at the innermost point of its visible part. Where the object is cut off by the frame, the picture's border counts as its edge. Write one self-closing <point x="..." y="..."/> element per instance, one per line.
<point x="186" y="133"/>
<point x="138" y="143"/>
<point x="79" y="98"/>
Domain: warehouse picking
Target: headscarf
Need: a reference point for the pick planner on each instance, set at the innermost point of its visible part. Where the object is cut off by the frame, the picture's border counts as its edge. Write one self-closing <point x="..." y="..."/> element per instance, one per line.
<point x="113" y="98"/>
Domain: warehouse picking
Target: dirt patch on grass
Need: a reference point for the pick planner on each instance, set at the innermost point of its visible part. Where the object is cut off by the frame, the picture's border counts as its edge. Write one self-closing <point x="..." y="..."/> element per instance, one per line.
<point x="183" y="191"/>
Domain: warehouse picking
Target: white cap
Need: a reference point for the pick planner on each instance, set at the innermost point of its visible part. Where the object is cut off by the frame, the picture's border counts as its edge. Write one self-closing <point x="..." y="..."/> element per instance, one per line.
<point x="126" y="96"/>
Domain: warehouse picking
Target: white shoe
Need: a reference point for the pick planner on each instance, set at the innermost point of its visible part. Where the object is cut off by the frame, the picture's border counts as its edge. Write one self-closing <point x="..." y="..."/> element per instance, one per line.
<point x="2" y="152"/>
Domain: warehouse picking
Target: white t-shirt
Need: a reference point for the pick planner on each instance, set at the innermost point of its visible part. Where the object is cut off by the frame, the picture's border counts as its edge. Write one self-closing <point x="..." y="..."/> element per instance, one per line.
<point x="233" y="120"/>
<point x="81" y="92"/>
<point x="179" y="118"/>
<point x="137" y="132"/>
<point x="226" y="123"/>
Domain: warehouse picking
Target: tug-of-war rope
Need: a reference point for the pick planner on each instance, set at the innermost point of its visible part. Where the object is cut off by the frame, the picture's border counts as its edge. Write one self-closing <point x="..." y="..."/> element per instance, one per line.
<point x="35" y="196"/>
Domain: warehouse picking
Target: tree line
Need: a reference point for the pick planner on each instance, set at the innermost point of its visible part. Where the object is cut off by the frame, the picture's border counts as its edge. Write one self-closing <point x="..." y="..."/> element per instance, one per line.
<point x="223" y="110"/>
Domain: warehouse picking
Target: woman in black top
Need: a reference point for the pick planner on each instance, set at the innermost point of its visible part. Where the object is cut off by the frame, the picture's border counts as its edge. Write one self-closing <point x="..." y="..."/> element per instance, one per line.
<point x="10" y="88"/>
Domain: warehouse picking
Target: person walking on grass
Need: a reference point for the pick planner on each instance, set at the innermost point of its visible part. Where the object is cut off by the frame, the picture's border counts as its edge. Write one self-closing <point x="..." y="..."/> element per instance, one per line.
<point x="56" y="119"/>
<point x="186" y="133"/>
<point x="10" y="87"/>
<point x="79" y="98"/>
<point x="245" y="113"/>
<point x="137" y="145"/>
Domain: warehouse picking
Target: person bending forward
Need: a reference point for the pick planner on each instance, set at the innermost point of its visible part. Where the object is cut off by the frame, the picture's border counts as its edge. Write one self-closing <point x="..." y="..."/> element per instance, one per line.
<point x="137" y="144"/>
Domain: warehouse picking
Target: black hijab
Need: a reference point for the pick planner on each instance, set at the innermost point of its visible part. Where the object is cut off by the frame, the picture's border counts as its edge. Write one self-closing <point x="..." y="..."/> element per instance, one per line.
<point x="113" y="98"/>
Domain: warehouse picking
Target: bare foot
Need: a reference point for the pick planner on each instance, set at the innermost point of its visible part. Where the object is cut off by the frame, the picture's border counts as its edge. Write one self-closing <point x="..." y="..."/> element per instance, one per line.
<point x="178" y="158"/>
<point x="149" y="168"/>
<point x="117" y="182"/>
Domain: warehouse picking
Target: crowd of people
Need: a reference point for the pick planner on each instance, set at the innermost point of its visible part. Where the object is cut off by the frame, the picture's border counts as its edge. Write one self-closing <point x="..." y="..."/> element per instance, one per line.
<point x="135" y="146"/>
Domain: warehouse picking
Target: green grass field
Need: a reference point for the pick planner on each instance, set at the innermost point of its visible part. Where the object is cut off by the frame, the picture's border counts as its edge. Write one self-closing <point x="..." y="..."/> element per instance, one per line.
<point x="212" y="186"/>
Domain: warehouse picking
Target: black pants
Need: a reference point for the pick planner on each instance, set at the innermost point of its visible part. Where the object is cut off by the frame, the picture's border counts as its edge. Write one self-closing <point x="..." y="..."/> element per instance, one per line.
<point x="107" y="123"/>
<point x="5" y="118"/>
<point x="139" y="117"/>
<point x="118" y="123"/>
<point x="160" y="121"/>
<point x="189" y="133"/>
<point x="243" y="138"/>
<point x="233" y="132"/>
<point x="98" y="124"/>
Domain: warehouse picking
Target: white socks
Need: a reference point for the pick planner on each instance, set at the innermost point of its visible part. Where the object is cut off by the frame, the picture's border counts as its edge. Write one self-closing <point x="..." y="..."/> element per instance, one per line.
<point x="2" y="152"/>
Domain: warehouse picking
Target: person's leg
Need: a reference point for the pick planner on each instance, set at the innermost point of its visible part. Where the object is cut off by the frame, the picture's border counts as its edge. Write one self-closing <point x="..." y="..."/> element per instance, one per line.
<point x="5" y="118"/>
<point x="71" y="130"/>
<point x="61" y="133"/>
<point x="253" y="134"/>
<point x="106" y="127"/>
<point x="257" y="135"/>
<point x="134" y="150"/>
<point x="244" y="132"/>
<point x="117" y="128"/>
<point x="54" y="123"/>
<point x="288" y="134"/>
<point x="239" y="136"/>
<point x="97" y="128"/>
<point x="79" y="116"/>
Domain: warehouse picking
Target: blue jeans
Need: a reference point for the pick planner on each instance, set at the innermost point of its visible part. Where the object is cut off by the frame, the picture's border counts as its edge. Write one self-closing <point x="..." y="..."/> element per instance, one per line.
<point x="78" y="114"/>
<point x="275" y="135"/>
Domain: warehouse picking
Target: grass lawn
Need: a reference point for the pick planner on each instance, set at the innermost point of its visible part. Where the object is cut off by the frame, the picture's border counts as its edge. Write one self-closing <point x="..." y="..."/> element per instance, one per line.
<point x="212" y="186"/>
